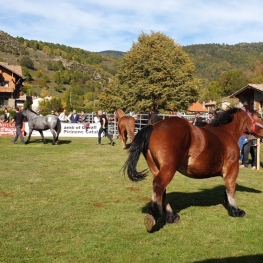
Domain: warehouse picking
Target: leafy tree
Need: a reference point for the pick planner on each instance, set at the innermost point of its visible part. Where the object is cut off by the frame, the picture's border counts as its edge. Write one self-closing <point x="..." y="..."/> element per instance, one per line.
<point x="42" y="82"/>
<point x="26" y="73"/>
<point x="44" y="92"/>
<point x="256" y="74"/>
<point x="28" y="89"/>
<point x="47" y="105"/>
<point x="213" y="91"/>
<point x="155" y="72"/>
<point x="232" y="81"/>
<point x="26" y="62"/>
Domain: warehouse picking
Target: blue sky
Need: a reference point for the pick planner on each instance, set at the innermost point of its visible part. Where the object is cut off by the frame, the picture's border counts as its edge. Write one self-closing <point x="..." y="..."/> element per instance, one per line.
<point x="100" y="25"/>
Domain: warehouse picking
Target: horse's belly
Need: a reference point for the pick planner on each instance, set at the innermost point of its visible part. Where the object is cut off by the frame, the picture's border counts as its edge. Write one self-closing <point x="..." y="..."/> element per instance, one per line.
<point x="200" y="169"/>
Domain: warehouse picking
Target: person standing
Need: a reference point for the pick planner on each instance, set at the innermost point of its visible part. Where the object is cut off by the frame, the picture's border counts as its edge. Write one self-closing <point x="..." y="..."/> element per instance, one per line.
<point x="198" y="121"/>
<point x="63" y="116"/>
<point x="210" y="117"/>
<point x="83" y="116"/>
<point x="6" y="116"/>
<point x="250" y="147"/>
<point x="74" y="117"/>
<point x="104" y="128"/>
<point x="18" y="119"/>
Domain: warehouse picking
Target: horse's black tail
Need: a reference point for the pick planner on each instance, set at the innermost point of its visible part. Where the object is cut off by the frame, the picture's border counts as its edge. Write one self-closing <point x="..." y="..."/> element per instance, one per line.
<point x="138" y="146"/>
<point x="58" y="127"/>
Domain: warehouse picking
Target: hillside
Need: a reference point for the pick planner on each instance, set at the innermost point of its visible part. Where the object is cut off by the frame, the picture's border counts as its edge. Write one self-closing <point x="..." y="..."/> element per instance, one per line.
<point x="211" y="60"/>
<point x="97" y="69"/>
<point x="59" y="68"/>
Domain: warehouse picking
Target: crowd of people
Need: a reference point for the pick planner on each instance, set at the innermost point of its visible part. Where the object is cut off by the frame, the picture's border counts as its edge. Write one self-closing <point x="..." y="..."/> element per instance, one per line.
<point x="200" y="122"/>
<point x="247" y="143"/>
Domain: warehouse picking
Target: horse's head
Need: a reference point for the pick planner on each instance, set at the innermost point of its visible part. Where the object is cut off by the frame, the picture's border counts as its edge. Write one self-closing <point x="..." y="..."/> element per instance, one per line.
<point x="255" y="125"/>
<point x="119" y="113"/>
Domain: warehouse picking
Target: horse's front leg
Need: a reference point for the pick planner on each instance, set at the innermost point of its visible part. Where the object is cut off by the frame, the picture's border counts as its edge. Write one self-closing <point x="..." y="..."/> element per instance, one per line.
<point x="230" y="200"/>
<point x="42" y="136"/>
<point x="29" y="135"/>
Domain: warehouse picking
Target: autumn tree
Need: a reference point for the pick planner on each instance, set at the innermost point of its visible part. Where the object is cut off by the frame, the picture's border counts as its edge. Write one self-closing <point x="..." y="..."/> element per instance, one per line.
<point x="155" y="72"/>
<point x="47" y="105"/>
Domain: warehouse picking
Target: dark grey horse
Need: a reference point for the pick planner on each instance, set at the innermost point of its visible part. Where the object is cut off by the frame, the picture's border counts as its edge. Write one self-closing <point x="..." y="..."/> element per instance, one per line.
<point x="40" y="123"/>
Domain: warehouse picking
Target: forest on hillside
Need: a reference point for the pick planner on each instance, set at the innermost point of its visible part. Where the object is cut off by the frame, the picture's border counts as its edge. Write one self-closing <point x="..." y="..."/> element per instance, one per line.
<point x="78" y="76"/>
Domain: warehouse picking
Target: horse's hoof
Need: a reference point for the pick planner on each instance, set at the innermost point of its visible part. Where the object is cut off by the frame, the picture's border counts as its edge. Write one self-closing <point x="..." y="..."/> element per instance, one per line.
<point x="236" y="212"/>
<point x="149" y="222"/>
<point x="172" y="219"/>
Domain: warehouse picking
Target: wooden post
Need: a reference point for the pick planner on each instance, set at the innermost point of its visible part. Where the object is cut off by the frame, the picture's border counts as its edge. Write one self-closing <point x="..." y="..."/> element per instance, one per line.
<point x="258" y="154"/>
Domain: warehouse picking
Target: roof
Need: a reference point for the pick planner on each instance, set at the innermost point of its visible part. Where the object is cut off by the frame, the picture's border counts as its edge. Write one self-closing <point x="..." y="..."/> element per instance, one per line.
<point x="258" y="87"/>
<point x="196" y="106"/>
<point x="210" y="103"/>
<point x="15" y="69"/>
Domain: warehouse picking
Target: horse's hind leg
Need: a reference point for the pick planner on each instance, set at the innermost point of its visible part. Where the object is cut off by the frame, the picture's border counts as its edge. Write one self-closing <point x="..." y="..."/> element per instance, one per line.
<point x="159" y="202"/>
<point x="54" y="136"/>
<point x="123" y="137"/>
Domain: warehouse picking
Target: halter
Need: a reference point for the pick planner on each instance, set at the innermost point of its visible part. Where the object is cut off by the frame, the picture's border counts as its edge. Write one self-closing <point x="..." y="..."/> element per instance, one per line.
<point x="254" y="123"/>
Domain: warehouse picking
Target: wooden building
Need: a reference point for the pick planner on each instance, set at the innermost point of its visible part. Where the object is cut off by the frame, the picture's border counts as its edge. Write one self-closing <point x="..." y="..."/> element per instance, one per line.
<point x="251" y="92"/>
<point x="11" y="81"/>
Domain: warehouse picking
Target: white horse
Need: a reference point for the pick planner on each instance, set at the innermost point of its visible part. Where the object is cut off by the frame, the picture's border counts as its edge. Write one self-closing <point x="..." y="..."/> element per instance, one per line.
<point x="42" y="123"/>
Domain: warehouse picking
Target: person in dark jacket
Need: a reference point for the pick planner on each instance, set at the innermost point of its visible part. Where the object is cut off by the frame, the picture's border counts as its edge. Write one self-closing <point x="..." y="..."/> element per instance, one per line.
<point x="104" y="128"/>
<point x="74" y="117"/>
<point x="198" y="121"/>
<point x="18" y="119"/>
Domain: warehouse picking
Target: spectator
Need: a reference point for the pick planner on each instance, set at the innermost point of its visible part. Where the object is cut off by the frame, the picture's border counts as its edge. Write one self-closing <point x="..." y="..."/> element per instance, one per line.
<point x="63" y="116"/>
<point x="250" y="147"/>
<point x="83" y="116"/>
<point x="6" y="116"/>
<point x="74" y="117"/>
<point x="198" y="121"/>
<point x="210" y="117"/>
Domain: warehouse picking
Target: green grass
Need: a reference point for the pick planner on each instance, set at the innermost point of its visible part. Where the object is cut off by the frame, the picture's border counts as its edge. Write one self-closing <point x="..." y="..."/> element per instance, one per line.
<point x="71" y="203"/>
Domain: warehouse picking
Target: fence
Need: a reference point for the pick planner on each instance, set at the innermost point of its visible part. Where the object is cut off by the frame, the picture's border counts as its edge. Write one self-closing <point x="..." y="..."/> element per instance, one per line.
<point x="141" y="121"/>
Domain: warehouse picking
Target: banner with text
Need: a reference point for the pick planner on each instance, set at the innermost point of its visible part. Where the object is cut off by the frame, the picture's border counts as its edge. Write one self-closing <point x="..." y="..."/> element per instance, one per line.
<point x="67" y="130"/>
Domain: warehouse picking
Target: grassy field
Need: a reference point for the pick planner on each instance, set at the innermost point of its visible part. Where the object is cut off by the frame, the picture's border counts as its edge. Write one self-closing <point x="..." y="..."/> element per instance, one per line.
<point x="71" y="203"/>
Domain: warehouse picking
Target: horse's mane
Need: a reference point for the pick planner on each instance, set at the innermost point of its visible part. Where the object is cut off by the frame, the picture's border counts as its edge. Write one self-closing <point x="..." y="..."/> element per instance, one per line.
<point x="120" y="113"/>
<point x="31" y="111"/>
<point x="224" y="117"/>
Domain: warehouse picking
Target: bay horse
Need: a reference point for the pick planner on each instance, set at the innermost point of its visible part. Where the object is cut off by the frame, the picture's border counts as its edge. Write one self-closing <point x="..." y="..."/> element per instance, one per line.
<point x="126" y="126"/>
<point x="174" y="144"/>
<point x="42" y="123"/>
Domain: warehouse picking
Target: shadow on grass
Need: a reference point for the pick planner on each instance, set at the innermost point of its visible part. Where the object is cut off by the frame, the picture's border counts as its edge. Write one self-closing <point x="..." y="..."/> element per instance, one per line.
<point x="243" y="259"/>
<point x="49" y="141"/>
<point x="206" y="197"/>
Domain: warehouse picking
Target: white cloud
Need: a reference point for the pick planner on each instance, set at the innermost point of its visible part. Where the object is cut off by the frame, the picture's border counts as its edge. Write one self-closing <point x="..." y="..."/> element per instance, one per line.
<point x="102" y="24"/>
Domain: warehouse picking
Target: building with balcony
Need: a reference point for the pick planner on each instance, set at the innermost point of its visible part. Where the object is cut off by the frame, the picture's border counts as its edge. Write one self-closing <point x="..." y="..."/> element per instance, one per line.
<point x="11" y="82"/>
